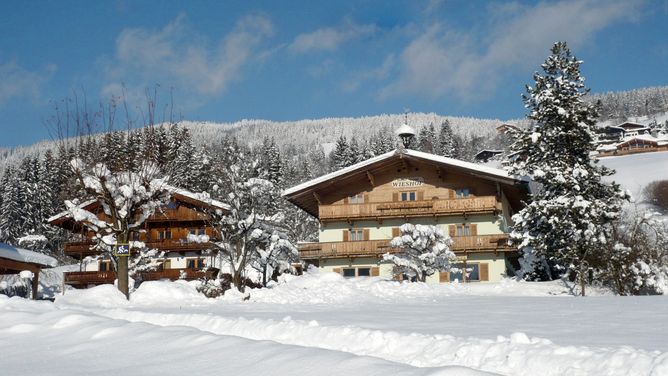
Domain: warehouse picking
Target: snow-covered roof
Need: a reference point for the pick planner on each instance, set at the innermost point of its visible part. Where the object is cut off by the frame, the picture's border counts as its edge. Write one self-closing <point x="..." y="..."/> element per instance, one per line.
<point x="200" y="197"/>
<point x="408" y="152"/>
<point x="23" y="255"/>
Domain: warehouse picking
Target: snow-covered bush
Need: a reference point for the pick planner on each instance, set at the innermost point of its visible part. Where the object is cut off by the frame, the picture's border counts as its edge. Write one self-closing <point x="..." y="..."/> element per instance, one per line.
<point x="657" y="194"/>
<point x="425" y="250"/>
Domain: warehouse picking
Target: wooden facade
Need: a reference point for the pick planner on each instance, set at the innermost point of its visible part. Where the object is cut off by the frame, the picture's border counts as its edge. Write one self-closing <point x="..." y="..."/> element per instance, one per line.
<point x="167" y="230"/>
<point x="361" y="208"/>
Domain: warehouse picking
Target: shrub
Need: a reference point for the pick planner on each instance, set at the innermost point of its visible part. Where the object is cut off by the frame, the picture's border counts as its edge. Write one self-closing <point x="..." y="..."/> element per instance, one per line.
<point x="657" y="193"/>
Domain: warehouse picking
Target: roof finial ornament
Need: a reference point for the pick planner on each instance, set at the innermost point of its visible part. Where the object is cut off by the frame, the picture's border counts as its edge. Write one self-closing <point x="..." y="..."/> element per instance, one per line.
<point x="405" y="133"/>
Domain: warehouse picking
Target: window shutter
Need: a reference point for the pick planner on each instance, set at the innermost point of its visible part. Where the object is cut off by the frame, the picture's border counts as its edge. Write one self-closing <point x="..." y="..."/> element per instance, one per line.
<point x="474" y="230"/>
<point x="453" y="230"/>
<point x="337" y="270"/>
<point x="484" y="271"/>
<point x="366" y="198"/>
<point x="444" y="277"/>
<point x="420" y="195"/>
<point x="346" y="235"/>
<point x="396" y="231"/>
<point x="375" y="271"/>
<point x="395" y="196"/>
<point x="346" y="200"/>
<point x="452" y="193"/>
<point x="365" y="233"/>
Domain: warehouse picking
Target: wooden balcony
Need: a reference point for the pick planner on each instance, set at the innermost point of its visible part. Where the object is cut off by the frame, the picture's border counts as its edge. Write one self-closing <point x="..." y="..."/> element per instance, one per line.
<point x="82" y="249"/>
<point x="83" y="279"/>
<point x="174" y="274"/>
<point x="401" y="209"/>
<point x="374" y="248"/>
<point x="179" y="214"/>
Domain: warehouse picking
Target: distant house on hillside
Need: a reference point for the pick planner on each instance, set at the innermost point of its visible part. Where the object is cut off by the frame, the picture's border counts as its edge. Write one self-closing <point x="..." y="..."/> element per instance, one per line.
<point x="181" y="230"/>
<point x="486" y="155"/>
<point x="506" y="128"/>
<point x="361" y="207"/>
<point x="628" y="138"/>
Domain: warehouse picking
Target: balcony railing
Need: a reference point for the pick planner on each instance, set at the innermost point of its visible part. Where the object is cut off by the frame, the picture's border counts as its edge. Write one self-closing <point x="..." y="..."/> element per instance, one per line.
<point x="99" y="278"/>
<point x="400" y="209"/>
<point x="174" y="274"/>
<point x="76" y="249"/>
<point x="373" y="248"/>
<point x="89" y="278"/>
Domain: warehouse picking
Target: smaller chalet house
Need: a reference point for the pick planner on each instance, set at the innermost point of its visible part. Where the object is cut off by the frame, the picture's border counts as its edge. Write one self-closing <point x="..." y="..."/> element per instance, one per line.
<point x="177" y="229"/>
<point x="629" y="138"/>
<point x="14" y="260"/>
<point x="361" y="207"/>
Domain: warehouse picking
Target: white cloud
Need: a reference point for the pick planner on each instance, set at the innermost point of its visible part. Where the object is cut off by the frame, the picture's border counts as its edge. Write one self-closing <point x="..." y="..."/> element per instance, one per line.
<point x="18" y="82"/>
<point x="378" y="73"/>
<point x="178" y="57"/>
<point x="330" y="38"/>
<point x="441" y="61"/>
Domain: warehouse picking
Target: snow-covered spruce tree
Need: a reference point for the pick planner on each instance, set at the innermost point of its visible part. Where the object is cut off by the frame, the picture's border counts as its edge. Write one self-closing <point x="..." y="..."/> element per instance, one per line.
<point x="127" y="198"/>
<point x="425" y="250"/>
<point x="568" y="218"/>
<point x="447" y="145"/>
<point x="251" y="223"/>
<point x="427" y="139"/>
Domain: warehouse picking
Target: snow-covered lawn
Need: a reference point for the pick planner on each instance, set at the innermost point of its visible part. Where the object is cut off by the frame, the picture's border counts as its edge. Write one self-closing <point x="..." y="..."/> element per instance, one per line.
<point x="323" y="324"/>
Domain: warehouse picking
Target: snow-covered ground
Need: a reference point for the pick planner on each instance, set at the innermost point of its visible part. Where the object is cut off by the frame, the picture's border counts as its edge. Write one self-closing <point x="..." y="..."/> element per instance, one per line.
<point x="323" y="324"/>
<point x="634" y="172"/>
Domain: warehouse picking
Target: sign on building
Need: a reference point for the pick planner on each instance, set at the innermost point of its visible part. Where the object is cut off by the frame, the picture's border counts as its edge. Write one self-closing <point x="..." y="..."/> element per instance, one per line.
<point x="416" y="181"/>
<point x="122" y="250"/>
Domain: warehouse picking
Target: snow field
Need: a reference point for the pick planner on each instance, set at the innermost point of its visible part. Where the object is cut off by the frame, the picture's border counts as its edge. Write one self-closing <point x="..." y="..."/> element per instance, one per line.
<point x="407" y="323"/>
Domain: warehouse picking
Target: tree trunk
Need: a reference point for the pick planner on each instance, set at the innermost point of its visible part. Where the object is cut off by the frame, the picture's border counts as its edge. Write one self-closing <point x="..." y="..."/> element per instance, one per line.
<point x="238" y="280"/>
<point x="122" y="272"/>
<point x="582" y="278"/>
<point x="264" y="275"/>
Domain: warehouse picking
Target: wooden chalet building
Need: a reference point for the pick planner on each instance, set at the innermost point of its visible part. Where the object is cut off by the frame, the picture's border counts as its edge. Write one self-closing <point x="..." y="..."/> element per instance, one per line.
<point x="361" y="207"/>
<point x="176" y="229"/>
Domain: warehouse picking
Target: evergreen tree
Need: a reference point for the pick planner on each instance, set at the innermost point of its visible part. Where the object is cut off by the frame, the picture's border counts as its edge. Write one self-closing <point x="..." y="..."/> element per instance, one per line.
<point x="569" y="217"/>
<point x="11" y="212"/>
<point x="340" y="157"/>
<point x="354" y="153"/>
<point x="447" y="145"/>
<point x="427" y="139"/>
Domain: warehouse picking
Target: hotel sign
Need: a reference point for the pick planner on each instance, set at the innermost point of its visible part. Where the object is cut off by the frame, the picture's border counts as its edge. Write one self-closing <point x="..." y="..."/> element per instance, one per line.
<point x="408" y="182"/>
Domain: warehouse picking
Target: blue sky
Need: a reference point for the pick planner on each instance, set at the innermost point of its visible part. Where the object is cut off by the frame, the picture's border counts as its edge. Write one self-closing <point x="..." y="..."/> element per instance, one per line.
<point x="288" y="60"/>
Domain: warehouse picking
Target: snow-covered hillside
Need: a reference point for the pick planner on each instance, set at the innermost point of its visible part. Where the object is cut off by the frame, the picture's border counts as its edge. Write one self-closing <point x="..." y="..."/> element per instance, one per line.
<point x="635" y="171"/>
<point x="324" y="324"/>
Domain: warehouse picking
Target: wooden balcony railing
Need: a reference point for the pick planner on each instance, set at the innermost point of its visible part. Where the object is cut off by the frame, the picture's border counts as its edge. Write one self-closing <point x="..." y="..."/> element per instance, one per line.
<point x="77" y="249"/>
<point x="98" y="278"/>
<point x="174" y="274"/>
<point x="400" y="209"/>
<point x="89" y="278"/>
<point x="373" y="248"/>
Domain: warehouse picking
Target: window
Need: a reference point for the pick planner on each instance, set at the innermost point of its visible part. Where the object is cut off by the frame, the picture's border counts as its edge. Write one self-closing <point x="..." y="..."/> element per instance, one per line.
<point x="472" y="272"/>
<point x="364" y="272"/>
<point x="195" y="263"/>
<point x="462" y="192"/>
<point x="356" y="234"/>
<point x="197" y="231"/>
<point x="357" y="199"/>
<point x="463" y="230"/>
<point x="348" y="272"/>
<point x="408" y="196"/>
<point x="105" y="266"/>
<point x="172" y="205"/>
<point x="165" y="234"/>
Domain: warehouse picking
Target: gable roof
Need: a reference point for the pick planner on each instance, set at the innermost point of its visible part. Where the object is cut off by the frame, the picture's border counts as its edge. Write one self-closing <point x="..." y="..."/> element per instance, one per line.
<point x="23" y="255"/>
<point x="196" y="199"/>
<point x="311" y="186"/>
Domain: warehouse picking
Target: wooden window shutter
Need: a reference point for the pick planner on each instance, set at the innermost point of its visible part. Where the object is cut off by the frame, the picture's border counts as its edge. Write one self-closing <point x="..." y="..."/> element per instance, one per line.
<point x="366" y="198"/>
<point x="365" y="233"/>
<point x="420" y="195"/>
<point x="337" y="270"/>
<point x="474" y="229"/>
<point x="346" y="200"/>
<point x="453" y="230"/>
<point x="346" y="235"/>
<point x="396" y="231"/>
<point x="395" y="196"/>
<point x="375" y="271"/>
<point x="444" y="277"/>
<point x="484" y="271"/>
<point x="452" y="193"/>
